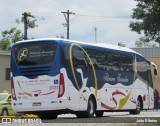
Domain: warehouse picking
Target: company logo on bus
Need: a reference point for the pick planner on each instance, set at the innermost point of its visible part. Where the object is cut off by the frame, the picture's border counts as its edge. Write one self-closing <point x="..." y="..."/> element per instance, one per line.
<point x="22" y="54"/>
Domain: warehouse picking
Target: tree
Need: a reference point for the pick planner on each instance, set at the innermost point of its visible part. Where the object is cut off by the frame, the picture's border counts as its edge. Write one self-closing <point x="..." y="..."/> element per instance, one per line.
<point x="9" y="37"/>
<point x="142" y="42"/>
<point x="13" y="35"/>
<point x="30" y="23"/>
<point x="147" y="13"/>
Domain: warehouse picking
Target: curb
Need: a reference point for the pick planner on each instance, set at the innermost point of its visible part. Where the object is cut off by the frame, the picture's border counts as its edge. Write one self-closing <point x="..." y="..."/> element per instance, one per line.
<point x="27" y="116"/>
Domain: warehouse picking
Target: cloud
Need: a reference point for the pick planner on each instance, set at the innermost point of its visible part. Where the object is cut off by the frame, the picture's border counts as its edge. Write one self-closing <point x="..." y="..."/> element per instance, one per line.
<point x="111" y="18"/>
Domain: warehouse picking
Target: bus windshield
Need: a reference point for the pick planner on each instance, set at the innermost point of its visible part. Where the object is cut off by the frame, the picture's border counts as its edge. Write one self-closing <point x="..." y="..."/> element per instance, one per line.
<point x="35" y="53"/>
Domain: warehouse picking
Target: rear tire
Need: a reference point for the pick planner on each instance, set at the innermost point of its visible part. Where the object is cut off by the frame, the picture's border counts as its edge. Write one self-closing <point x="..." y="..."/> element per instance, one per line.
<point x="138" y="107"/>
<point x="91" y="108"/>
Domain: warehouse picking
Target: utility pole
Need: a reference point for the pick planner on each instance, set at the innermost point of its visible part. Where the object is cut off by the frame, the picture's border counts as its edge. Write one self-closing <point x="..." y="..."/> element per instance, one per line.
<point x="95" y="29"/>
<point x="67" y="20"/>
<point x="25" y="14"/>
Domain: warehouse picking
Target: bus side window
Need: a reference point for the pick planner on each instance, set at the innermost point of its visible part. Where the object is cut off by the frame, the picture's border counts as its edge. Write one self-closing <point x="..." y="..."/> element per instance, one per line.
<point x="143" y="70"/>
<point x="79" y="59"/>
<point x="78" y="62"/>
<point x="65" y="55"/>
<point x="91" y="54"/>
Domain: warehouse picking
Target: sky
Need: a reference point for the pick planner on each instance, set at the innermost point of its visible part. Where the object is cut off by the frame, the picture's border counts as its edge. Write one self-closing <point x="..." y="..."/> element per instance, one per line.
<point x="110" y="17"/>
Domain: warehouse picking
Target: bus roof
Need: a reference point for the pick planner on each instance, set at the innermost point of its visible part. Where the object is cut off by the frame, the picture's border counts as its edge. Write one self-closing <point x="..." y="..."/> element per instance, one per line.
<point x="103" y="45"/>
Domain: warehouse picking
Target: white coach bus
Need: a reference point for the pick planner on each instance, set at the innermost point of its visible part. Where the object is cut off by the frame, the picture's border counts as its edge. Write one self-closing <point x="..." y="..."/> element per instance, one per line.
<point x="57" y="76"/>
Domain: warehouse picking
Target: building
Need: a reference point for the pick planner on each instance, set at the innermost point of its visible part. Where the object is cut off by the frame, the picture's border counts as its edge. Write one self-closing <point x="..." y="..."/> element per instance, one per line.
<point x="4" y="71"/>
<point x="152" y="54"/>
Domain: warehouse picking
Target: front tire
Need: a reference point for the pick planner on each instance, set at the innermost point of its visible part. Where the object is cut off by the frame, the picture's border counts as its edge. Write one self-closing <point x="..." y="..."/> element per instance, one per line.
<point x="4" y="112"/>
<point x="138" y="107"/>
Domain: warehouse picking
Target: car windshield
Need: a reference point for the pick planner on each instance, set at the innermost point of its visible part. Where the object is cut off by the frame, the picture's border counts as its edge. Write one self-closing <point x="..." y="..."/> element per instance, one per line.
<point x="2" y="96"/>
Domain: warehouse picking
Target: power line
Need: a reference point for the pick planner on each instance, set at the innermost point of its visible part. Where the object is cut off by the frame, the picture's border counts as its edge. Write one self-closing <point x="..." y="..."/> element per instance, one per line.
<point x="93" y="18"/>
<point x="43" y="18"/>
<point x="100" y="16"/>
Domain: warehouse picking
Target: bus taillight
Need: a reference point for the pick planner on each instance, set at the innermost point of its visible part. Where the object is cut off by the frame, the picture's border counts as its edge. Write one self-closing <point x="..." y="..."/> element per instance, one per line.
<point x="61" y="86"/>
<point x="13" y="90"/>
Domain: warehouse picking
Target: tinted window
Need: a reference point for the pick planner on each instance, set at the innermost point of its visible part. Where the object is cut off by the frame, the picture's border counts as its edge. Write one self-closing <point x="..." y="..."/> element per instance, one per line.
<point x="79" y="58"/>
<point x="143" y="71"/>
<point x="65" y="56"/>
<point x="111" y="61"/>
<point x="35" y="53"/>
<point x="103" y="60"/>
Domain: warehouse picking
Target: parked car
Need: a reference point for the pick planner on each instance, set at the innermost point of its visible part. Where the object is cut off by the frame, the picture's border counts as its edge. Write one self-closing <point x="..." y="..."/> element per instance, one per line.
<point x="5" y="104"/>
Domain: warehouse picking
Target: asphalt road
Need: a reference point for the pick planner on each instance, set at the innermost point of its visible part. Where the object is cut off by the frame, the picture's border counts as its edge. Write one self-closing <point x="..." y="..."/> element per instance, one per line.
<point x="147" y="117"/>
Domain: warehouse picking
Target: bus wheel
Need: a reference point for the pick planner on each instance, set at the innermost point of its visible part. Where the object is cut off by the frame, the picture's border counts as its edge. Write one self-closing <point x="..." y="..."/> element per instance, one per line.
<point x="138" y="107"/>
<point x="91" y="108"/>
<point x="4" y="112"/>
<point x="99" y="113"/>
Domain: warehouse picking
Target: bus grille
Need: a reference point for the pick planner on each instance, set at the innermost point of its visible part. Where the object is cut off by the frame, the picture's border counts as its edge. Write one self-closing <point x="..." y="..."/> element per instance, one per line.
<point x="35" y="71"/>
